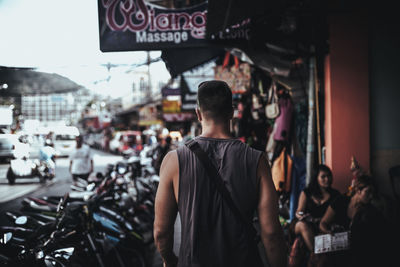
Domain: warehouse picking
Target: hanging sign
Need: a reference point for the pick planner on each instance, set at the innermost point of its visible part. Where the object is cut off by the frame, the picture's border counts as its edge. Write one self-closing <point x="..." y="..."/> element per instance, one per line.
<point x="148" y="115"/>
<point x="171" y="106"/>
<point x="179" y="117"/>
<point x="167" y="91"/>
<point x="128" y="25"/>
<point x="189" y="101"/>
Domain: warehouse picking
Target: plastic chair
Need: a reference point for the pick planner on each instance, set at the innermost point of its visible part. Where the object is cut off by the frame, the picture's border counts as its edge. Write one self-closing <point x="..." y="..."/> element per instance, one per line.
<point x="394" y="174"/>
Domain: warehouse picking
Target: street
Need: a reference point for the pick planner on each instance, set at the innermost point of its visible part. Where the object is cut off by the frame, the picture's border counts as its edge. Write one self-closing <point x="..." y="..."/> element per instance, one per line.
<point x="12" y="195"/>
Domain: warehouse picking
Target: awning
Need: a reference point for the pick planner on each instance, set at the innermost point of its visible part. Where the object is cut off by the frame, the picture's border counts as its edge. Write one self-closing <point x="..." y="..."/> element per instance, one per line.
<point x="223" y="14"/>
<point x="25" y="81"/>
<point x="133" y="111"/>
<point x="180" y="60"/>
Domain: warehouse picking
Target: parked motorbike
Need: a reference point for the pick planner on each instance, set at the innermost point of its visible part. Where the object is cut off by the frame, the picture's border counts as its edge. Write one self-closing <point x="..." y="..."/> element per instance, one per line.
<point x="46" y="170"/>
<point x="107" y="222"/>
<point x="27" y="168"/>
<point x="22" y="168"/>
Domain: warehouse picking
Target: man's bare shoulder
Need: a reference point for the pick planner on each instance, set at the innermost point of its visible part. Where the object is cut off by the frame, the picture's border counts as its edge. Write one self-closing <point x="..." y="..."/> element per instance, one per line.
<point x="171" y="157"/>
<point x="263" y="167"/>
<point x="170" y="163"/>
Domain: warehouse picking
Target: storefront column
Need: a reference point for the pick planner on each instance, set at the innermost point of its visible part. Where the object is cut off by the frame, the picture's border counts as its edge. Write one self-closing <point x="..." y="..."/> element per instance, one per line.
<point x="347" y="126"/>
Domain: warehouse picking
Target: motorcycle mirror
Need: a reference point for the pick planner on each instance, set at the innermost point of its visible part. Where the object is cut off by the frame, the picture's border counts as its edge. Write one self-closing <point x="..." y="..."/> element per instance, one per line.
<point x="121" y="170"/>
<point x="21" y="220"/>
<point x="6" y="238"/>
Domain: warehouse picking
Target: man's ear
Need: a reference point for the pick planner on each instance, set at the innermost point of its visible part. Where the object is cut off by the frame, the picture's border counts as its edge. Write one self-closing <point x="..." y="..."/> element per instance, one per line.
<point x="198" y="113"/>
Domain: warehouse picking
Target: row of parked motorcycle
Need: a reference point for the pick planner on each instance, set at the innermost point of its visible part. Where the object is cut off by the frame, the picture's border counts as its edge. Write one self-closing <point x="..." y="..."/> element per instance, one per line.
<point x="106" y="220"/>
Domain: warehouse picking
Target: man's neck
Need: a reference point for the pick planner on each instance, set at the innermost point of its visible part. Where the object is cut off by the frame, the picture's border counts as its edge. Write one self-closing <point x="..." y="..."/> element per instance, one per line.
<point x="212" y="129"/>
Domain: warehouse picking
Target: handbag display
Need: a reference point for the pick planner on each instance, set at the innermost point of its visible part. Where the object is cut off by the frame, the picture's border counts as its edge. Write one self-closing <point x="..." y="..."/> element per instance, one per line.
<point x="238" y="76"/>
<point x="272" y="108"/>
<point x="282" y="172"/>
<point x="284" y="121"/>
<point x="213" y="174"/>
<point x="271" y="144"/>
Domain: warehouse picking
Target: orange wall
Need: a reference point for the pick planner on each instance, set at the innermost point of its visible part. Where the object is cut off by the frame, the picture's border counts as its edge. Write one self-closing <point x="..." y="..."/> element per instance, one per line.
<point x="347" y="130"/>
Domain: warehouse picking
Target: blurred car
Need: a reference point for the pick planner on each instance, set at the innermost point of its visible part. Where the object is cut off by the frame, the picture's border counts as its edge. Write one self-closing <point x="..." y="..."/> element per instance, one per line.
<point x="8" y="143"/>
<point x="130" y="140"/>
<point x="64" y="140"/>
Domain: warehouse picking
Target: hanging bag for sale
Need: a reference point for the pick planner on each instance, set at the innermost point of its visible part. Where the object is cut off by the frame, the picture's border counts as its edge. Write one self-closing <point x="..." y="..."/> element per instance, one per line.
<point x="282" y="172"/>
<point x="284" y="121"/>
<point x="238" y="76"/>
<point x="271" y="143"/>
<point x="272" y="108"/>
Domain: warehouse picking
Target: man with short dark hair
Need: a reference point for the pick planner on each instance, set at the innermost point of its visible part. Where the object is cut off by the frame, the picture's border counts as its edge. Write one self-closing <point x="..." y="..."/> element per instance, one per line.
<point x="211" y="233"/>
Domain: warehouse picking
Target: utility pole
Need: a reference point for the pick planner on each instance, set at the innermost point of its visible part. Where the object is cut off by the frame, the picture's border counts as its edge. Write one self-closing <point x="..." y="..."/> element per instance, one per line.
<point x="148" y="91"/>
<point x="311" y="120"/>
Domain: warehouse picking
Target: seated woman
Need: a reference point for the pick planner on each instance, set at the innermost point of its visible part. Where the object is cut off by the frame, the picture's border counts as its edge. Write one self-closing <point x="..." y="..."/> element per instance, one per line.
<point x="350" y="213"/>
<point x="341" y="212"/>
<point x="313" y="202"/>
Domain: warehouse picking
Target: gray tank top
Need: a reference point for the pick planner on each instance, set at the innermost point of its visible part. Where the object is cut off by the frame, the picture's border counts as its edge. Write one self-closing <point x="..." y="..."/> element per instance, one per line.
<point x="211" y="233"/>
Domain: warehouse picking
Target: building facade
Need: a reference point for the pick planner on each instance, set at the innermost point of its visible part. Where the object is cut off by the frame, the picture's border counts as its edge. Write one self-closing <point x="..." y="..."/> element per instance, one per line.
<point x="50" y="108"/>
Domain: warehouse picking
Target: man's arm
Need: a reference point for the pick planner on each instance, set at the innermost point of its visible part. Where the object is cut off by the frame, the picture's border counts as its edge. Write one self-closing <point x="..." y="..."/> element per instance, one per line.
<point x="166" y="209"/>
<point x="271" y="230"/>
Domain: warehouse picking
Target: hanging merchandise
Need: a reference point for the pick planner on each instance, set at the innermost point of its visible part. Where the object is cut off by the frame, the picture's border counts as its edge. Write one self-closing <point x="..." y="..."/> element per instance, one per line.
<point x="255" y="107"/>
<point x="238" y="76"/>
<point x="272" y="108"/>
<point x="284" y="120"/>
<point x="271" y="144"/>
<point x="282" y="172"/>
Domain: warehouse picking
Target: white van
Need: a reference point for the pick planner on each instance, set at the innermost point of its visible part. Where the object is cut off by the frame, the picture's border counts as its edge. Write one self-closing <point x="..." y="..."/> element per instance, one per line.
<point x="64" y="140"/>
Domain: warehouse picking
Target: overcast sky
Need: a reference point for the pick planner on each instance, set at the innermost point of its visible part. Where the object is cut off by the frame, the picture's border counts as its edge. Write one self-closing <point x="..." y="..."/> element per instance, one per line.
<point x="62" y="36"/>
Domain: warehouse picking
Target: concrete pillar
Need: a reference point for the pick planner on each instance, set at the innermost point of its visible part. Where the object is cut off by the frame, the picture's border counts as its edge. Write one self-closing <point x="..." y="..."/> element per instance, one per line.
<point x="347" y="123"/>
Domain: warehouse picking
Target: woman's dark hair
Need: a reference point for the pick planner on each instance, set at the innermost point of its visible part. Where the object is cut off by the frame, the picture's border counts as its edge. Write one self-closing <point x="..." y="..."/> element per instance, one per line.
<point x="214" y="99"/>
<point x="313" y="187"/>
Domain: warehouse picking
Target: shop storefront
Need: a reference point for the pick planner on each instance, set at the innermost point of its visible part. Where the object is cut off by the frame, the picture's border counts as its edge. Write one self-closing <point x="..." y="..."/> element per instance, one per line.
<point x="295" y="69"/>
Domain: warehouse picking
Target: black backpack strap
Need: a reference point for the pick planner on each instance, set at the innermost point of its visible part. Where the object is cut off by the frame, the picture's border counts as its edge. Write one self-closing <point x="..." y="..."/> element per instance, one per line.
<point x="212" y="172"/>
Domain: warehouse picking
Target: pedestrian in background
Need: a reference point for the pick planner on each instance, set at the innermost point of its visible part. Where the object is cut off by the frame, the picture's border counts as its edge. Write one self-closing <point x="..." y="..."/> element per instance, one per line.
<point x="212" y="234"/>
<point x="162" y="149"/>
<point x="81" y="160"/>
